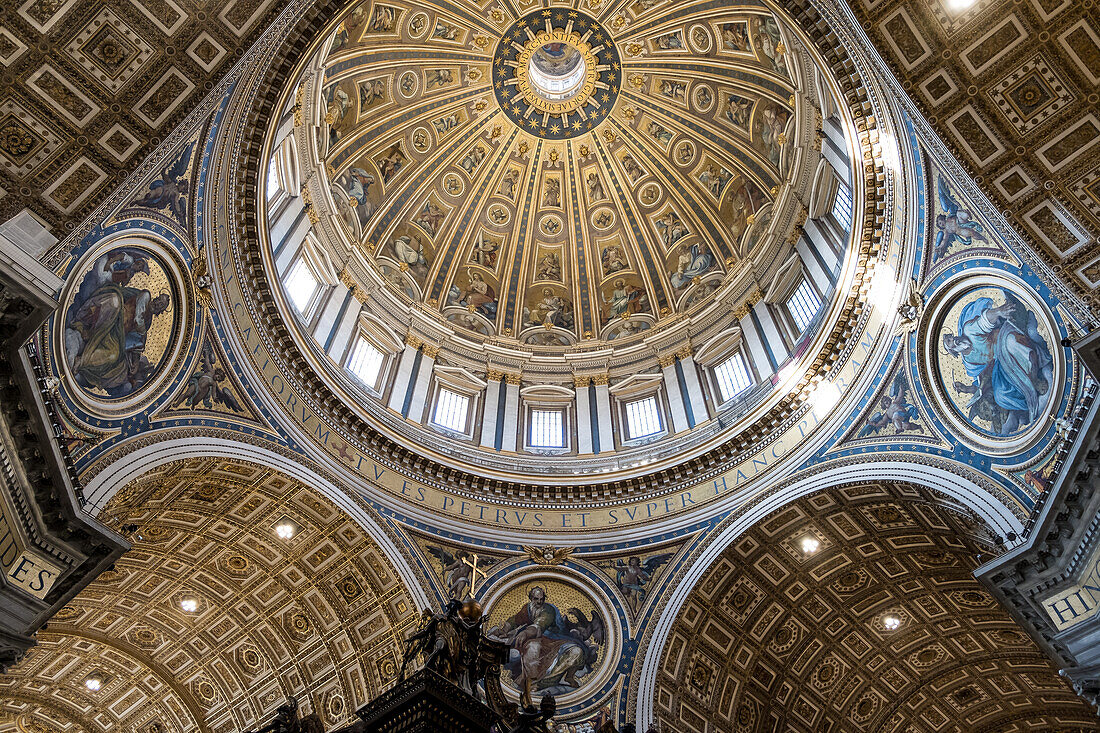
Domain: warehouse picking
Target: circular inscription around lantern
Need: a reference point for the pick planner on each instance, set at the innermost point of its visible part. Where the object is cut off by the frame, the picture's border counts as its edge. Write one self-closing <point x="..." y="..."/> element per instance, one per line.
<point x="556" y="74"/>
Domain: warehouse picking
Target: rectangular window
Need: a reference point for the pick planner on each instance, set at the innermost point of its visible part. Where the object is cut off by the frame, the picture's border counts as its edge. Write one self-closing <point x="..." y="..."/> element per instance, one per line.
<point x="733" y="376"/>
<point x="546" y="429"/>
<point x="842" y="207"/>
<point x="301" y="285"/>
<point x="803" y="304"/>
<point x="365" y="360"/>
<point x="450" y="410"/>
<point x="642" y="418"/>
<point x="272" y="178"/>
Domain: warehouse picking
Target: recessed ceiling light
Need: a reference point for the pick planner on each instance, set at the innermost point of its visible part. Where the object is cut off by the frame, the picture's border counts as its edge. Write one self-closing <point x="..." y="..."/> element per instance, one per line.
<point x="958" y="5"/>
<point x="891" y="622"/>
<point x="93" y="683"/>
<point x="285" y="530"/>
<point x="810" y="545"/>
<point x="189" y="605"/>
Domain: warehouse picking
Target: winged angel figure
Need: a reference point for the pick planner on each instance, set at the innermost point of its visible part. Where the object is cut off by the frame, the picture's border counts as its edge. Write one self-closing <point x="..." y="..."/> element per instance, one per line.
<point x="896" y="410"/>
<point x="460" y="570"/>
<point x="955" y="224"/>
<point x="170" y="191"/>
<point x="633" y="575"/>
<point x="205" y="389"/>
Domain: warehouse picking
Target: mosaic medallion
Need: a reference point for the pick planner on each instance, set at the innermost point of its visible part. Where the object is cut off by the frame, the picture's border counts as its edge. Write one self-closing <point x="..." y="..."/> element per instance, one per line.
<point x="556" y="73"/>
<point x="995" y="362"/>
<point x="121" y="323"/>
<point x="557" y="635"/>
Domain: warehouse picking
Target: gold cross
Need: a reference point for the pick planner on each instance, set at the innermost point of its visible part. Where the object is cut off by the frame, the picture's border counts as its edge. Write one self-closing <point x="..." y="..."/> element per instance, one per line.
<point x="473" y="569"/>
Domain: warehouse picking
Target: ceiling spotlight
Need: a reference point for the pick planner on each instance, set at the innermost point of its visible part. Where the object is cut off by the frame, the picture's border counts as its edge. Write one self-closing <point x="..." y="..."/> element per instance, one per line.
<point x="93" y="683"/>
<point x="285" y="530"/>
<point x="189" y="605"/>
<point x="810" y="545"/>
<point x="958" y="5"/>
<point x="891" y="622"/>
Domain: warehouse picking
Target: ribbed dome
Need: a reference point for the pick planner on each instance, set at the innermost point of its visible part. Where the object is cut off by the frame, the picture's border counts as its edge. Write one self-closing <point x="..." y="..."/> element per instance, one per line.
<point x="603" y="237"/>
<point x="558" y="176"/>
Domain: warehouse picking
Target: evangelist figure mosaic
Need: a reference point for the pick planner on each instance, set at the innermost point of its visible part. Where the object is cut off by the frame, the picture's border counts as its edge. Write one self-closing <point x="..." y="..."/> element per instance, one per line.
<point x="995" y="361"/>
<point x="120" y="323"/>
<point x="551" y="651"/>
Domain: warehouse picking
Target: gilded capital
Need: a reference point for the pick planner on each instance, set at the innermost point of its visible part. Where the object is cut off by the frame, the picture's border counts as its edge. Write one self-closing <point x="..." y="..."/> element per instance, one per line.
<point x="513" y="378"/>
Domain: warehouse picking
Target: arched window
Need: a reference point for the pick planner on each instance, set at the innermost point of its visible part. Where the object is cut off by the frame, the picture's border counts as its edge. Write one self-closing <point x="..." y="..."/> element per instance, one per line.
<point x="803" y="304"/>
<point x="365" y="360"/>
<point x="451" y="409"/>
<point x="642" y="418"/>
<point x="547" y="429"/>
<point x="733" y="376"/>
<point x="273" y="177"/>
<point x="302" y="286"/>
<point x="842" y="207"/>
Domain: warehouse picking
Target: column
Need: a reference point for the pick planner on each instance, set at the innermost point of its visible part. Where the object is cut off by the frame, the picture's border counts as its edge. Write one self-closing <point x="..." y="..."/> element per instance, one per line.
<point x="422" y="384"/>
<point x="814" y="264"/>
<point x="761" y="358"/>
<point x="824" y="243"/>
<point x="336" y="302"/>
<point x="694" y="389"/>
<point x="404" y="373"/>
<point x="603" y="413"/>
<point x="510" y="418"/>
<point x="584" y="414"/>
<point x="773" y="337"/>
<point x="675" y="397"/>
<point x="491" y="414"/>
<point x="344" y="328"/>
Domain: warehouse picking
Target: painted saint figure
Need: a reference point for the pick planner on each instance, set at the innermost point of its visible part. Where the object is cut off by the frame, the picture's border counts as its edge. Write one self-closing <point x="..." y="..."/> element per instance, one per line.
<point x="508" y="183"/>
<point x="485" y="252"/>
<point x="625" y="300"/>
<point x="358" y="183"/>
<point x="1008" y="361"/>
<point x="671" y="228"/>
<point x="478" y="295"/>
<point x="552" y="194"/>
<point x="551" y="309"/>
<point x="107" y="324"/>
<point x="409" y="253"/>
<point x="595" y="187"/>
<point x="692" y="263"/>
<point x="613" y="259"/>
<point x="549" y="267"/>
<point x="550" y="652"/>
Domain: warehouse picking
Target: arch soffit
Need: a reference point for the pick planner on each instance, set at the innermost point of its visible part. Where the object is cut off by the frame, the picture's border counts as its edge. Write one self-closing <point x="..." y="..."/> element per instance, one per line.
<point x="133" y="466"/>
<point x="972" y="496"/>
